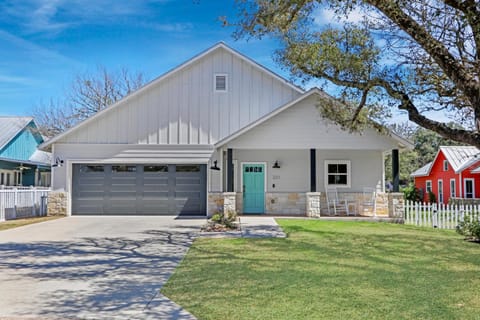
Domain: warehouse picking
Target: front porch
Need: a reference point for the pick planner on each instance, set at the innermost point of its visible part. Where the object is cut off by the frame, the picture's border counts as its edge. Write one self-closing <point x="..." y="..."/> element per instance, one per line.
<point x="312" y="204"/>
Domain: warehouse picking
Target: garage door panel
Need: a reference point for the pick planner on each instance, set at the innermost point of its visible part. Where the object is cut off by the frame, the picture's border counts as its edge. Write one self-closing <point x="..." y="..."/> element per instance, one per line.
<point x="139" y="189"/>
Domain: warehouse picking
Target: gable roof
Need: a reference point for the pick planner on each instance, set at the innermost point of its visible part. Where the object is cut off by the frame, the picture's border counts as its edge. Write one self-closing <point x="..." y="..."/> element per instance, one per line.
<point x="423" y="171"/>
<point x="459" y="158"/>
<point x="10" y="127"/>
<point x="218" y="46"/>
<point x="314" y="91"/>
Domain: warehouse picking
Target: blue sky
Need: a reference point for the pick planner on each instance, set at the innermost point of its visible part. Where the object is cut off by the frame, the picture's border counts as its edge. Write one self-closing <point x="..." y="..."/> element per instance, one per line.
<point x="45" y="43"/>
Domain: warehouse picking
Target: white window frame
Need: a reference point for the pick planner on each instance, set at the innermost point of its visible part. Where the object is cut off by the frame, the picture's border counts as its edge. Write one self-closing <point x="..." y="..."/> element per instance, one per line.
<point x="445" y="165"/>
<point x="465" y="188"/>
<point x="440" y="191"/>
<point x="215" y="82"/>
<point x="349" y="173"/>
<point x="428" y="186"/>
<point x="453" y="191"/>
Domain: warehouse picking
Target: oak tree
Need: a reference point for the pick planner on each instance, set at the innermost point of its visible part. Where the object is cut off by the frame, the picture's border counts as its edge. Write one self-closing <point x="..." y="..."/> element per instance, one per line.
<point x="418" y="56"/>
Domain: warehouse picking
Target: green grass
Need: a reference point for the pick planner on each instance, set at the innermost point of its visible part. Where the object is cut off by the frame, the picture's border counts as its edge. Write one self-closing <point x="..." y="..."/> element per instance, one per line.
<point x="332" y="270"/>
<point x="23" y="222"/>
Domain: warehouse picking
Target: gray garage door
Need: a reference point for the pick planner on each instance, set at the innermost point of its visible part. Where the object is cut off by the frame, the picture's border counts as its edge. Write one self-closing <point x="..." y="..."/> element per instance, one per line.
<point x="139" y="189"/>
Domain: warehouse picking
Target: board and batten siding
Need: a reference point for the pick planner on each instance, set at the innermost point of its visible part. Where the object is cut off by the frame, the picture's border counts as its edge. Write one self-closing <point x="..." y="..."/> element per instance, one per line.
<point x="302" y="127"/>
<point x="183" y="108"/>
<point x="22" y="146"/>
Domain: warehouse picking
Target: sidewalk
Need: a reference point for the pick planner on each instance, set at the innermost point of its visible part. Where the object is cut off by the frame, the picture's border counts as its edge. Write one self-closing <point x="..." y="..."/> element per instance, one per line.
<point x="251" y="227"/>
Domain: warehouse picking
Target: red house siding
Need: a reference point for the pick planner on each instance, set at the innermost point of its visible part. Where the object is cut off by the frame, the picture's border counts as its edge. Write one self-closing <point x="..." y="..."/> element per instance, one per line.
<point x="437" y="173"/>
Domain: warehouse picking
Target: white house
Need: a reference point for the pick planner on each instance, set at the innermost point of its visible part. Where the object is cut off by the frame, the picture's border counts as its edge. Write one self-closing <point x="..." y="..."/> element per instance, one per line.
<point x="219" y="127"/>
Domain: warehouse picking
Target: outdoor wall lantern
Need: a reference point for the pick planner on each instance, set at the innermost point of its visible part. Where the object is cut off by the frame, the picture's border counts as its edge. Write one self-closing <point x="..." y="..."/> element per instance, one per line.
<point x="58" y="163"/>
<point x="276" y="165"/>
<point x="215" y="167"/>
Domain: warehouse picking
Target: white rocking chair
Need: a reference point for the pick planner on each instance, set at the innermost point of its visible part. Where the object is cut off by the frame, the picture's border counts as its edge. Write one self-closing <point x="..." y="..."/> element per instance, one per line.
<point x="369" y="197"/>
<point x="333" y="202"/>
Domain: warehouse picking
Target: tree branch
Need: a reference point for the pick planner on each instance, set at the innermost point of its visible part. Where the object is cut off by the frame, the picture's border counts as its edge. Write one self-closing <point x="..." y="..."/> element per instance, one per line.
<point x="439" y="53"/>
<point x="468" y="137"/>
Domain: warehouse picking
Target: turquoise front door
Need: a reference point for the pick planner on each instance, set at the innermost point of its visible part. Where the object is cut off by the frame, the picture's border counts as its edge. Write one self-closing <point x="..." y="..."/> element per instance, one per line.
<point x="253" y="188"/>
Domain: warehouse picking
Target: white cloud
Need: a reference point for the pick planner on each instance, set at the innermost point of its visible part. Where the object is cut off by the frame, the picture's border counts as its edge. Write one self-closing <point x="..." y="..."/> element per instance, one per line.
<point x="33" y="52"/>
<point x="322" y="16"/>
<point x="169" y="27"/>
<point x="53" y="16"/>
<point x="15" y="80"/>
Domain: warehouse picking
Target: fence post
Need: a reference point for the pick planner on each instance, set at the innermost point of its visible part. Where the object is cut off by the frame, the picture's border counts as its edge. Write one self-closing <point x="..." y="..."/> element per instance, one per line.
<point x="15" y="200"/>
<point x="34" y="200"/>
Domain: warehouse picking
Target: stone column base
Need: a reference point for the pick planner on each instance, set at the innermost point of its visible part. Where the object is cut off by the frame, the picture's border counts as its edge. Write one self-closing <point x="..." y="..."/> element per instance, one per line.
<point x="313" y="204"/>
<point x="57" y="203"/>
<point x="229" y="201"/>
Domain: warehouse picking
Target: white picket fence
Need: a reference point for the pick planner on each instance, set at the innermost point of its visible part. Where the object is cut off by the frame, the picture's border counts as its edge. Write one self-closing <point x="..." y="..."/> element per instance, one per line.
<point x="438" y="215"/>
<point x="23" y="202"/>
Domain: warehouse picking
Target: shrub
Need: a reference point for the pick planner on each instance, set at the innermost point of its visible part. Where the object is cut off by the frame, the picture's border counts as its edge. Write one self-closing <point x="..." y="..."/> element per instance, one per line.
<point x="411" y="193"/>
<point x="470" y="228"/>
<point x="432" y="198"/>
<point x="217" y="217"/>
<point x="226" y="218"/>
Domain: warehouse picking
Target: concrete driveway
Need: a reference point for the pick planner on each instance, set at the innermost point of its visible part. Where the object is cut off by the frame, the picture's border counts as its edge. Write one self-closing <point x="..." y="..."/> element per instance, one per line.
<point x="93" y="267"/>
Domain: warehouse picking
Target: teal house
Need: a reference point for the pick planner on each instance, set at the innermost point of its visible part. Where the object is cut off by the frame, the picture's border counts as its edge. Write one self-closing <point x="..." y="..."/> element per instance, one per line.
<point x="21" y="163"/>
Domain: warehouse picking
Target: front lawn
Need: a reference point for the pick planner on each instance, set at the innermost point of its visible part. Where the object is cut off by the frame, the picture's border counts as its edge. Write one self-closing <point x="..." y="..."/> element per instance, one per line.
<point x="23" y="222"/>
<point x="332" y="270"/>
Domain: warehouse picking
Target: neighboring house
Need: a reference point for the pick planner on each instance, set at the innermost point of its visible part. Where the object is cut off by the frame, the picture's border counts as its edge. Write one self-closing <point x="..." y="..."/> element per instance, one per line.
<point x="218" y="123"/>
<point x="453" y="174"/>
<point x="21" y="163"/>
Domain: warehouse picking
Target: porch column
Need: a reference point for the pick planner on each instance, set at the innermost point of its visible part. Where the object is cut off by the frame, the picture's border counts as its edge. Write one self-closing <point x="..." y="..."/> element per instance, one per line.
<point x="229" y="170"/>
<point x="36" y="177"/>
<point x="313" y="170"/>
<point x="395" y="170"/>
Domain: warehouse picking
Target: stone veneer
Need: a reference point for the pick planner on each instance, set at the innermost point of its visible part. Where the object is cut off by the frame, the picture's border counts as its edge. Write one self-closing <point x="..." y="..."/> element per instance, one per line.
<point x="285" y="203"/>
<point x="57" y="203"/>
<point x="229" y="201"/>
<point x="313" y="204"/>
<point x="310" y="204"/>
<point x="214" y="202"/>
<point x="396" y="205"/>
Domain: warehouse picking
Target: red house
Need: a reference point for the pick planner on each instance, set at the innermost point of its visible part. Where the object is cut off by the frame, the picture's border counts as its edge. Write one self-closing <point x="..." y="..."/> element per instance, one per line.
<point x="455" y="172"/>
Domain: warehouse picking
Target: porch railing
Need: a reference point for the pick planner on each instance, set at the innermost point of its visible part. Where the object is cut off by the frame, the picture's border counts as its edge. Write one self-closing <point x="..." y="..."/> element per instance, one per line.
<point x="23" y="202"/>
<point x="438" y="215"/>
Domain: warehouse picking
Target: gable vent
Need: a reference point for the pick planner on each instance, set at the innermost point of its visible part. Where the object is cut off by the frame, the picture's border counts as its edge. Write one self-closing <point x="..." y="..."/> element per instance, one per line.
<point x="221" y="82"/>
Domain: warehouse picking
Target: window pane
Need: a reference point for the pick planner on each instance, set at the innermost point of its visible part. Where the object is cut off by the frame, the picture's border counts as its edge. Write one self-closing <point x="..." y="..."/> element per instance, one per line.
<point x="341" y="179"/>
<point x="124" y="168"/>
<point x="331" y="179"/>
<point x="91" y="168"/>
<point x="155" y="168"/>
<point x="342" y="168"/>
<point x="332" y="168"/>
<point x="188" y="168"/>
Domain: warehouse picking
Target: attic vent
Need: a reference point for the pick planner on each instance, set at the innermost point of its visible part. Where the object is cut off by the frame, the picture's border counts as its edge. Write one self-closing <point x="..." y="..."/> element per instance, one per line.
<point x="220" y="82"/>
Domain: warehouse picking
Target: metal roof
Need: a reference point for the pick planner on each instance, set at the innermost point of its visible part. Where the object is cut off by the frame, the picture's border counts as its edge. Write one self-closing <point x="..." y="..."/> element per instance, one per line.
<point x="40" y="156"/>
<point x="460" y="157"/>
<point x="423" y="171"/>
<point x="477" y="170"/>
<point x="10" y="127"/>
